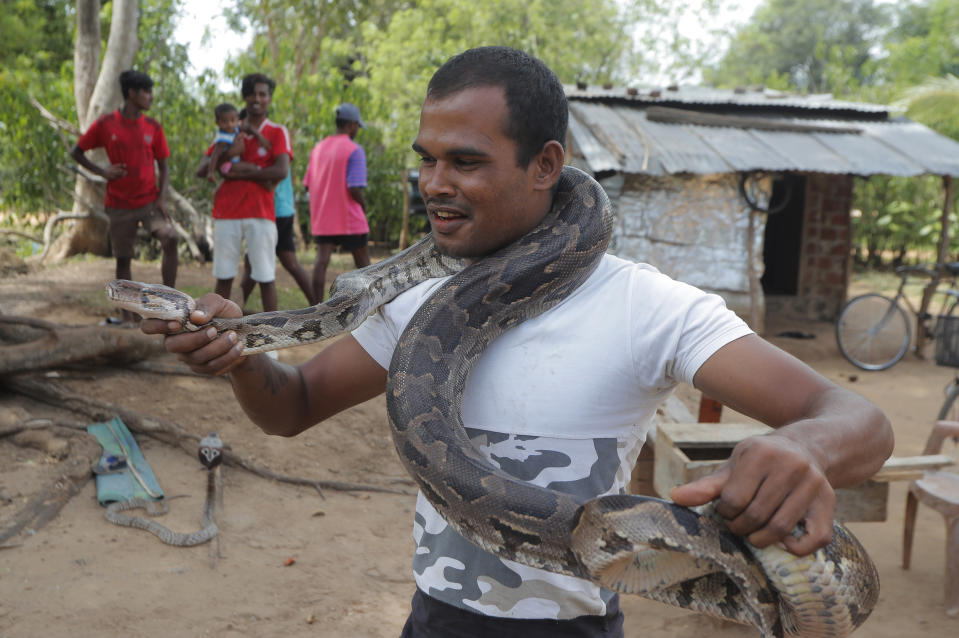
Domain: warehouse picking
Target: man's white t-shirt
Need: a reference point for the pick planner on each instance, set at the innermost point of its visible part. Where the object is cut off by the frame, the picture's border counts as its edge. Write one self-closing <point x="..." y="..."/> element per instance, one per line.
<point x="565" y="401"/>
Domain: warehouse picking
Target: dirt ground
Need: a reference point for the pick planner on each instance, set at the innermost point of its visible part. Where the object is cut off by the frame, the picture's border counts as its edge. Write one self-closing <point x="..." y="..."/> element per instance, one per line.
<point x="293" y="563"/>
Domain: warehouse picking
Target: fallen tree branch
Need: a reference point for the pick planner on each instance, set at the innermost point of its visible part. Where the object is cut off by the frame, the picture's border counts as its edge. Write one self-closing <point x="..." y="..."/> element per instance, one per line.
<point x="62" y="345"/>
<point x="20" y="329"/>
<point x="166" y="431"/>
<point x="37" y="424"/>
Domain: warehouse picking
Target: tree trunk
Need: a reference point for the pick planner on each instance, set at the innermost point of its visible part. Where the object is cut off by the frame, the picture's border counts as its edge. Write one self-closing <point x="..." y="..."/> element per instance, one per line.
<point x="96" y="94"/>
<point x="86" y="56"/>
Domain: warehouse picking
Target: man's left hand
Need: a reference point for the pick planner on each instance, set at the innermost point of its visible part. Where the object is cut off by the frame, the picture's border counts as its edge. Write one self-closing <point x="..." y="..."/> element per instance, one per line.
<point x="768" y="486"/>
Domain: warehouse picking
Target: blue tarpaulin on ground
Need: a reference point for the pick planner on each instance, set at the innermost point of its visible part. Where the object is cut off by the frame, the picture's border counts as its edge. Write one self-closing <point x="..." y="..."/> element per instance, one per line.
<point x="123" y="473"/>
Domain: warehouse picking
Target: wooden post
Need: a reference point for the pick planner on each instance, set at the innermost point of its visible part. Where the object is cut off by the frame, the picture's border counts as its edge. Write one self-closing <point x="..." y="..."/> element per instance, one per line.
<point x="756" y="319"/>
<point x="710" y="410"/>
<point x="942" y="256"/>
<point x="945" y="231"/>
<point x="405" y="228"/>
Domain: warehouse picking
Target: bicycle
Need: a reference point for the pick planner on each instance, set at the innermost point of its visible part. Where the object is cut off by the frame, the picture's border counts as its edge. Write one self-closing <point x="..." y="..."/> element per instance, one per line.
<point x="873" y="331"/>
<point x="947" y="354"/>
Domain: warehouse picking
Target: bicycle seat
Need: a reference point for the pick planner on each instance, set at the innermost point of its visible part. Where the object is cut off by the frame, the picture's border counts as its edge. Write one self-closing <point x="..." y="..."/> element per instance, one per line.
<point x="923" y="270"/>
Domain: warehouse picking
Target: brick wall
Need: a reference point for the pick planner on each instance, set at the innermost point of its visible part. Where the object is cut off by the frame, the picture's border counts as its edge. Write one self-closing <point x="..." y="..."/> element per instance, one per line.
<point x="827" y="237"/>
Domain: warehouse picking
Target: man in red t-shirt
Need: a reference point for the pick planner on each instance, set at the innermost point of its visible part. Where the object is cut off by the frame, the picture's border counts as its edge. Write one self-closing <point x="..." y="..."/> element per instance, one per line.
<point x="243" y="204"/>
<point x="133" y="142"/>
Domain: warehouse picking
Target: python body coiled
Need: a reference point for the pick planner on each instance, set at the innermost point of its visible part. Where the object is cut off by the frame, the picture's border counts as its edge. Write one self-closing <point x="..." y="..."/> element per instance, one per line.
<point x="631" y="544"/>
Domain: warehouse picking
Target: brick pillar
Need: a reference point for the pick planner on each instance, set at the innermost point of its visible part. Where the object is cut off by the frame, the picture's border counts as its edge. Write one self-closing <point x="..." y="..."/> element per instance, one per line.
<point x="827" y="237"/>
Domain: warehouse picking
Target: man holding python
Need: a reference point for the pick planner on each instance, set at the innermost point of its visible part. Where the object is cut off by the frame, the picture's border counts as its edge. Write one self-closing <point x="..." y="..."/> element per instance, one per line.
<point x="565" y="399"/>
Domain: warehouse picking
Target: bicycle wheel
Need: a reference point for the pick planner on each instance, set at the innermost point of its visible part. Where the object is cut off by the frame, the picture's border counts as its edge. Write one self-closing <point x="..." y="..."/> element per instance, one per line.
<point x="950" y="408"/>
<point x="872" y="332"/>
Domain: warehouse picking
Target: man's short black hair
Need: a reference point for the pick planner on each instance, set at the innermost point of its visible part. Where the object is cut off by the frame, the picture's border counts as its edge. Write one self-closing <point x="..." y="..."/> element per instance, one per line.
<point x="250" y="80"/>
<point x="223" y="109"/>
<point x="534" y="95"/>
<point x="134" y="80"/>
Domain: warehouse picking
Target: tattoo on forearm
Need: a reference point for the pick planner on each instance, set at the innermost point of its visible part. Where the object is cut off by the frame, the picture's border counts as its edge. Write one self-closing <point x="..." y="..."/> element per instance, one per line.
<point x="274" y="376"/>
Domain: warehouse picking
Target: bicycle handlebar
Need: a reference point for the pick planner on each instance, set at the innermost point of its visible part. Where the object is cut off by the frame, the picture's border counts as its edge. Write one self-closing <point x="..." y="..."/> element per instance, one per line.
<point x="930" y="269"/>
<point x="924" y="270"/>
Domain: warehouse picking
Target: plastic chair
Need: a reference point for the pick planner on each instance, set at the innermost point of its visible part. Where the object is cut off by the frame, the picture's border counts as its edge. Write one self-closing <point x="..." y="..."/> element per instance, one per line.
<point x="940" y="491"/>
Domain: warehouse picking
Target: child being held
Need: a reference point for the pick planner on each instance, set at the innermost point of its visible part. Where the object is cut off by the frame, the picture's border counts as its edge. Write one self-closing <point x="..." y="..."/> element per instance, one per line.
<point x="228" y="145"/>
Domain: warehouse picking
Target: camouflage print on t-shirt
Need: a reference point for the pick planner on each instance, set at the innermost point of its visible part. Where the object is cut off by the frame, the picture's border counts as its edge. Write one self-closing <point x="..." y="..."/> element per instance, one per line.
<point x="450" y="568"/>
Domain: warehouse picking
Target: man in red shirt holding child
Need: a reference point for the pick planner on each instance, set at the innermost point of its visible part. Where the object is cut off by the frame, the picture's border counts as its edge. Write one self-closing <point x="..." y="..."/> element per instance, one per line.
<point x="243" y="204"/>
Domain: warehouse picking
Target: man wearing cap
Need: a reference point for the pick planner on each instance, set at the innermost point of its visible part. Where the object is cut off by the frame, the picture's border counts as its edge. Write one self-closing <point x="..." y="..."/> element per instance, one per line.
<point x="335" y="178"/>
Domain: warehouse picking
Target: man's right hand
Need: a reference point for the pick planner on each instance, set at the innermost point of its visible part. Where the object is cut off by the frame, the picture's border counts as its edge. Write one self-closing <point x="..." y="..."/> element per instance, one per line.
<point x="204" y="351"/>
<point x="114" y="171"/>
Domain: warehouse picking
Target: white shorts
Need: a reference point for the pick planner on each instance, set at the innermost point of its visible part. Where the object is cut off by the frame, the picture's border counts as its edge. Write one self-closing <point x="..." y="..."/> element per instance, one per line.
<point x="260" y="236"/>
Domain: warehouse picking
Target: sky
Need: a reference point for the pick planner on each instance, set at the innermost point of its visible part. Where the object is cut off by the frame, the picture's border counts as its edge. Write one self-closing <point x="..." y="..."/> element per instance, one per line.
<point x="197" y="15"/>
<point x="200" y="14"/>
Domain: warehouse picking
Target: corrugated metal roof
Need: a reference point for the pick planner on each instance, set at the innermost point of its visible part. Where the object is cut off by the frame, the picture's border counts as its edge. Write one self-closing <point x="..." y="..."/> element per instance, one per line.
<point x="706" y="96"/>
<point x="617" y="136"/>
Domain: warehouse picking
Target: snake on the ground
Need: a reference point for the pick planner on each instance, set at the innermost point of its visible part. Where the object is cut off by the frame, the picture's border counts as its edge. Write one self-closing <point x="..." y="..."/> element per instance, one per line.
<point x="211" y="455"/>
<point x="627" y="543"/>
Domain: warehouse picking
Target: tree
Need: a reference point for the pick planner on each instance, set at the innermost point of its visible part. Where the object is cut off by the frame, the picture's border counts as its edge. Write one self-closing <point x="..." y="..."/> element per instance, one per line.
<point x="935" y="103"/>
<point x="380" y="54"/>
<point x="35" y="46"/>
<point x="792" y="45"/>
<point x="97" y="91"/>
<point x="922" y="43"/>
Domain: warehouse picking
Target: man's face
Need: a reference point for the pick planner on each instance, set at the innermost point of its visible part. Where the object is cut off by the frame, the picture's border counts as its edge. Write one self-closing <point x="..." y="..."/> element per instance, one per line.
<point x="258" y="102"/>
<point x="228" y="121"/>
<point x="477" y="198"/>
<point x="142" y="98"/>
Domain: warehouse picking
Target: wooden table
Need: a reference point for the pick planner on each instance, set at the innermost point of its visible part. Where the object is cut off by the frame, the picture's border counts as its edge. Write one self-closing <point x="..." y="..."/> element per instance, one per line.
<point x="684" y="452"/>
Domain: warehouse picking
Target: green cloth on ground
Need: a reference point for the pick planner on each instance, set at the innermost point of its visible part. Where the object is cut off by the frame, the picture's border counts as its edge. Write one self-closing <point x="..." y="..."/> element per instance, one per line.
<point x="123" y="485"/>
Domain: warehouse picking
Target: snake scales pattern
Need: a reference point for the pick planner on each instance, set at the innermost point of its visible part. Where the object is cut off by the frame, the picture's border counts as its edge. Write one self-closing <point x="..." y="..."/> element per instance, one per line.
<point x="631" y="544"/>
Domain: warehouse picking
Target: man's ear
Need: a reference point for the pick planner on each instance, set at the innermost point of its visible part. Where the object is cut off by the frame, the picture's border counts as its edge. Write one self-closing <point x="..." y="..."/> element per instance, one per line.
<point x="548" y="164"/>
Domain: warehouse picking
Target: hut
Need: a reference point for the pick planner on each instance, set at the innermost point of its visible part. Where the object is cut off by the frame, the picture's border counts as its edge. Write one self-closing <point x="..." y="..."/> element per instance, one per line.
<point x="745" y="192"/>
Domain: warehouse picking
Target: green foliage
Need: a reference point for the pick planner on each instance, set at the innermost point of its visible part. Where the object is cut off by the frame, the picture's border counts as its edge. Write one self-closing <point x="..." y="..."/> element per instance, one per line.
<point x="31" y="152"/>
<point x="380" y="55"/>
<point x="898" y="215"/>
<point x="36" y="35"/>
<point x="181" y="103"/>
<point x="923" y="43"/>
<point x="935" y="103"/>
<point x="820" y="45"/>
<point x="36" y="54"/>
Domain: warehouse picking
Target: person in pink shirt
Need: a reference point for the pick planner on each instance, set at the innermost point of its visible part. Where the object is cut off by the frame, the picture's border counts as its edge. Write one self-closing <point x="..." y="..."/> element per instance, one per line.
<point x="335" y="178"/>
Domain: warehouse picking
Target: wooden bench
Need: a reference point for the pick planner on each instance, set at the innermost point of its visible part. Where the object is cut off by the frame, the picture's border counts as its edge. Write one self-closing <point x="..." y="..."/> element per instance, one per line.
<point x="684" y="452"/>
